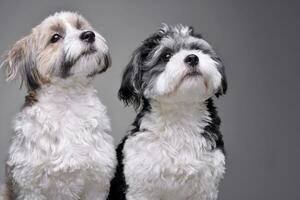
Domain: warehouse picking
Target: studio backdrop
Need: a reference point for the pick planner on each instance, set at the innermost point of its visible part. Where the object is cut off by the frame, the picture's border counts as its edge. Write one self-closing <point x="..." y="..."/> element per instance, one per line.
<point x="259" y="44"/>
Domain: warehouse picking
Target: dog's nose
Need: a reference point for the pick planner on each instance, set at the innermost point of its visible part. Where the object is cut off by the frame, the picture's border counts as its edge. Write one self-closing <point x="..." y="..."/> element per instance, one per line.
<point x="192" y="60"/>
<point x="88" y="36"/>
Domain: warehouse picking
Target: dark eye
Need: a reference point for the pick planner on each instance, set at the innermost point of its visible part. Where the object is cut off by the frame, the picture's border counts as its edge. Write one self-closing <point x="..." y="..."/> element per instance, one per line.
<point x="55" y="38"/>
<point x="165" y="57"/>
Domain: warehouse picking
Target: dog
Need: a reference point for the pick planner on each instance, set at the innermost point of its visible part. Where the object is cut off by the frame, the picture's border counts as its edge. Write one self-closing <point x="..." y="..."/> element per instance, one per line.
<point x="62" y="148"/>
<point x="175" y="150"/>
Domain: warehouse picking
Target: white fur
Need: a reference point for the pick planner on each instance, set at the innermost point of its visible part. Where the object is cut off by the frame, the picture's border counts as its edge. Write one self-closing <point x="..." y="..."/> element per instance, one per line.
<point x="171" y="160"/>
<point x="62" y="149"/>
<point x="72" y="47"/>
<point x="191" y="88"/>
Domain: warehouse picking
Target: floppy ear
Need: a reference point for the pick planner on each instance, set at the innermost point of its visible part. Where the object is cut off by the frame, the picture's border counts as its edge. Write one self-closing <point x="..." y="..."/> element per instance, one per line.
<point x="130" y="90"/>
<point x="19" y="63"/>
<point x="223" y="87"/>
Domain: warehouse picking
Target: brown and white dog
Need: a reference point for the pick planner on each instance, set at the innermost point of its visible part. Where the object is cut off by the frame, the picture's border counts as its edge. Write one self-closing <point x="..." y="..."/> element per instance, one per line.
<point x="61" y="149"/>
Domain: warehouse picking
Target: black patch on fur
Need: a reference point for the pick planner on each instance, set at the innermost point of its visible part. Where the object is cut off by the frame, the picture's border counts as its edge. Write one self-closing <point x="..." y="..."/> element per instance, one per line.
<point x="67" y="66"/>
<point x="131" y="90"/>
<point x="31" y="75"/>
<point x="118" y="186"/>
<point x="212" y="131"/>
<point x="107" y="63"/>
<point x="136" y="124"/>
<point x="223" y="89"/>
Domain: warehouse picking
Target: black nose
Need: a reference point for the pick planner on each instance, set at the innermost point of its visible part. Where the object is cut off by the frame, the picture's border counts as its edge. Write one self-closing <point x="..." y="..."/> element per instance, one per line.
<point x="192" y="60"/>
<point x="88" y="36"/>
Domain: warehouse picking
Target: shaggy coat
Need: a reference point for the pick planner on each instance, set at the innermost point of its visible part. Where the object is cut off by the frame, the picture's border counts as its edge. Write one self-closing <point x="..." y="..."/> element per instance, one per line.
<point x="61" y="148"/>
<point x="175" y="150"/>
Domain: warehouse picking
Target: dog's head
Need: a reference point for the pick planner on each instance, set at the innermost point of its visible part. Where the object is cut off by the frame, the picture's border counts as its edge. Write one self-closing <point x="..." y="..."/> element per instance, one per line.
<point x="174" y="64"/>
<point x="62" y="47"/>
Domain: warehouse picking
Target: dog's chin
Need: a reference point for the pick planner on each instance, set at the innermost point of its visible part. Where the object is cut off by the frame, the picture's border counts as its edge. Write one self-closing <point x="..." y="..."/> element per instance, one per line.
<point x="191" y="87"/>
<point x="85" y="68"/>
<point x="89" y="51"/>
<point x="90" y="63"/>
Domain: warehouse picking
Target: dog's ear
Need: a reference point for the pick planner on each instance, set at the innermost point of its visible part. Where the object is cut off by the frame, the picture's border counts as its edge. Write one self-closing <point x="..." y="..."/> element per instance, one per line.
<point x="130" y="91"/>
<point x="223" y="86"/>
<point x="19" y="62"/>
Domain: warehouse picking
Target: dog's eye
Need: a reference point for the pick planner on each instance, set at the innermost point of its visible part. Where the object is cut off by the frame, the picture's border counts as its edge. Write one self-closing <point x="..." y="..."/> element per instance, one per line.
<point x="166" y="56"/>
<point x="55" y="38"/>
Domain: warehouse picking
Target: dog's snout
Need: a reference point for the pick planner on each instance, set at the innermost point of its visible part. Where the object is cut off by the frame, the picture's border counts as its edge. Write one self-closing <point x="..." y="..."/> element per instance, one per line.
<point x="192" y="60"/>
<point x="88" y="36"/>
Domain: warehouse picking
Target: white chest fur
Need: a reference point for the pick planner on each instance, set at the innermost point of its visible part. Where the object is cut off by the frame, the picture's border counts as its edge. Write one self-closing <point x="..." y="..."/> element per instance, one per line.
<point x="63" y="138"/>
<point x="171" y="160"/>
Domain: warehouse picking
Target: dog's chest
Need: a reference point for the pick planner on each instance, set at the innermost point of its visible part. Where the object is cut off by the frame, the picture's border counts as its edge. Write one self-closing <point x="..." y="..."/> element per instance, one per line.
<point x="172" y="157"/>
<point x="176" y="158"/>
<point x="63" y="131"/>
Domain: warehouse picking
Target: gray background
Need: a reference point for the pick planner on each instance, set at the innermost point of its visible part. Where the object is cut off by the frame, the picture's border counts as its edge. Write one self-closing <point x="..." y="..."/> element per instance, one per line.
<point x="258" y="41"/>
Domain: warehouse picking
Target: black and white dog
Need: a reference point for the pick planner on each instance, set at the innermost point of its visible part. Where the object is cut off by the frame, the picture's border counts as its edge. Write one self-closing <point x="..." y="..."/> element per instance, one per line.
<point x="175" y="150"/>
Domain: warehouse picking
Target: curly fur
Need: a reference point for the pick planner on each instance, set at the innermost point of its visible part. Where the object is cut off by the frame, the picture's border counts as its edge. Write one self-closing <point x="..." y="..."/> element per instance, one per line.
<point x="61" y="148"/>
<point x="175" y="150"/>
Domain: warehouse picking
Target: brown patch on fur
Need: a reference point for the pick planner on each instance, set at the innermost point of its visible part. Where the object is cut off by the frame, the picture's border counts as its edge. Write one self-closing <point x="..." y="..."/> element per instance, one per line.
<point x="30" y="98"/>
<point x="205" y="83"/>
<point x="22" y="62"/>
<point x="78" y="22"/>
<point x="33" y="58"/>
<point x="14" y="58"/>
<point x="58" y="27"/>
